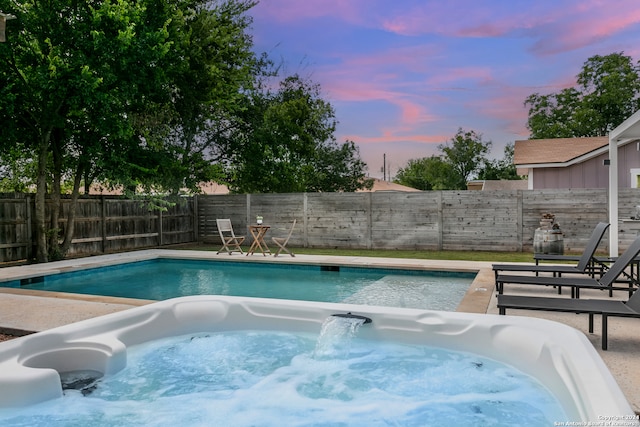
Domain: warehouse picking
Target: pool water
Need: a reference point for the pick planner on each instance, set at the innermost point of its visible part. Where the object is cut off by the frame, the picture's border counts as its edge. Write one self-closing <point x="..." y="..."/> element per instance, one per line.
<point x="168" y="278"/>
<point x="265" y="378"/>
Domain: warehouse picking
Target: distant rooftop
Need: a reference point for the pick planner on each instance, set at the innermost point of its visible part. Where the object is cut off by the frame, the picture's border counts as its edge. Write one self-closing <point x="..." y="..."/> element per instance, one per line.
<point x="380" y="185"/>
<point x="495" y="184"/>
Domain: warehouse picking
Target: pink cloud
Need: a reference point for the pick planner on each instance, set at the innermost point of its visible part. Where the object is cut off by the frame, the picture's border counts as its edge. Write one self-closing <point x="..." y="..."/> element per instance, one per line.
<point x="409" y="111"/>
<point x="358" y="80"/>
<point x="381" y="77"/>
<point x="555" y="27"/>
<point x="453" y="76"/>
<point x="586" y="24"/>
<point x="444" y="18"/>
<point x="292" y="11"/>
<point x="504" y="104"/>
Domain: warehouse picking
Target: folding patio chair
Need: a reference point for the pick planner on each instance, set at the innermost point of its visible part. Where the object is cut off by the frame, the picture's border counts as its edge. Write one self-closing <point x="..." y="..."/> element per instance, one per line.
<point x="230" y="242"/>
<point x="282" y="242"/>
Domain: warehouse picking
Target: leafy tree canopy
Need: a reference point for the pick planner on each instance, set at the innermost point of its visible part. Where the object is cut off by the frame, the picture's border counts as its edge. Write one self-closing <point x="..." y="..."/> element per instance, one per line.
<point x="427" y="173"/>
<point x="500" y="169"/>
<point x="287" y="144"/>
<point x="461" y="157"/>
<point x="121" y="91"/>
<point x="154" y="94"/>
<point x="464" y="153"/>
<point x="607" y="92"/>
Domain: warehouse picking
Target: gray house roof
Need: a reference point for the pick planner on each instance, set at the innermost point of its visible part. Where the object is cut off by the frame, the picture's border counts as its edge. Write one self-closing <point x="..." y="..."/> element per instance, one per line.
<point x="535" y="153"/>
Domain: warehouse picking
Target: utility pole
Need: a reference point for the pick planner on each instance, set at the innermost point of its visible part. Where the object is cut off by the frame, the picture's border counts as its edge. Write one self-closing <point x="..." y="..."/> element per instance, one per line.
<point x="384" y="167"/>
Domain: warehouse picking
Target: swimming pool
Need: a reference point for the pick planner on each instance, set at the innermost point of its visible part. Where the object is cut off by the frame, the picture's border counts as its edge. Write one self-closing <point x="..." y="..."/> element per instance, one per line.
<point x="163" y="278"/>
<point x="557" y="356"/>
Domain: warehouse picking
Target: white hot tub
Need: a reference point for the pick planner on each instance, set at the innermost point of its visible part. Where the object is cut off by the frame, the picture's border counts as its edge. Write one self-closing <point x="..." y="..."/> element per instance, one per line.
<point x="559" y="357"/>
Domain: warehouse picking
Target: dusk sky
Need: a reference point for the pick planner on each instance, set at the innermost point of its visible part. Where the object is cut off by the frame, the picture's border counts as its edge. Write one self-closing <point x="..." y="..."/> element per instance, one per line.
<point x="404" y="75"/>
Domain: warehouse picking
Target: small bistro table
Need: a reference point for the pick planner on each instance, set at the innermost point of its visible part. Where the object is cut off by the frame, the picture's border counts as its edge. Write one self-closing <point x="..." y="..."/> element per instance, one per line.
<point x="258" y="231"/>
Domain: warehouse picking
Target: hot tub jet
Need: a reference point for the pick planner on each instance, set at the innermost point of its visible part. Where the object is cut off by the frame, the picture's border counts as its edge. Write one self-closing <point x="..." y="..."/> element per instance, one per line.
<point x="349" y="315"/>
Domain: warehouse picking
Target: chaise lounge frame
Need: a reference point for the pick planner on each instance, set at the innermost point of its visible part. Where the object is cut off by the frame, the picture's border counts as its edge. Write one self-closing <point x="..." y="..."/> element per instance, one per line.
<point x="605" y="308"/>
<point x="606" y="282"/>
<point x="586" y="262"/>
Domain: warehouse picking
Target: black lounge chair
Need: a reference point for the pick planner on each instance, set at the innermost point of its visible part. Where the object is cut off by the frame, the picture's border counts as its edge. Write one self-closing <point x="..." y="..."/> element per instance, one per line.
<point x="606" y="308"/>
<point x="606" y="282"/>
<point x="586" y="262"/>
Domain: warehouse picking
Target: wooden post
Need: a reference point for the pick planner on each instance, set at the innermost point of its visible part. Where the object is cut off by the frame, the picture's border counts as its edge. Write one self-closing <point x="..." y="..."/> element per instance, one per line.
<point x="520" y="221"/>
<point x="103" y="223"/>
<point x="196" y="220"/>
<point x="160" y="239"/>
<point x="440" y="222"/>
<point x="370" y="220"/>
<point x="249" y="210"/>
<point x="30" y="238"/>
<point x="305" y="220"/>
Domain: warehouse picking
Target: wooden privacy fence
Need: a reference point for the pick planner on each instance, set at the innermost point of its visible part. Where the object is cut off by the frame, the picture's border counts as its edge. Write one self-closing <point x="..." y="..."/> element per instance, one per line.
<point x="434" y="220"/>
<point x="15" y="227"/>
<point x="103" y="225"/>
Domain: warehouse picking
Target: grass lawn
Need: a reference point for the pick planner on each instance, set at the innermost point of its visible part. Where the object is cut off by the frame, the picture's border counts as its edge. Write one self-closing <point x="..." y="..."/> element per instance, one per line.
<point x="413" y="254"/>
<point x="424" y="254"/>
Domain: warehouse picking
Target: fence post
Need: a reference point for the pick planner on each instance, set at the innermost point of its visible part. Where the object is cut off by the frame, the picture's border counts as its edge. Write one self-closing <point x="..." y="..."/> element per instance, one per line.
<point x="196" y="220"/>
<point x="30" y="237"/>
<point x="160" y="240"/>
<point x="440" y="222"/>
<point x="248" y="209"/>
<point x="370" y="220"/>
<point x="305" y="221"/>
<point x="520" y="220"/>
<point x="103" y="223"/>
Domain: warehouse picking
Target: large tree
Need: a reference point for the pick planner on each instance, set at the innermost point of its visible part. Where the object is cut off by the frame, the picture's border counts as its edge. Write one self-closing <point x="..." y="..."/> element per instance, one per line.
<point x="96" y="89"/>
<point x="607" y="92"/>
<point x="465" y="153"/>
<point x="463" y="156"/>
<point x="426" y="173"/>
<point x="214" y="68"/>
<point x="338" y="167"/>
<point x="286" y="144"/>
<point x="70" y="68"/>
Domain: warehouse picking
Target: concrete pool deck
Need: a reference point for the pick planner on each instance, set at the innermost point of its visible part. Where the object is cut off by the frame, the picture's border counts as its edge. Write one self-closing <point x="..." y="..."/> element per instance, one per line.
<point x="24" y="311"/>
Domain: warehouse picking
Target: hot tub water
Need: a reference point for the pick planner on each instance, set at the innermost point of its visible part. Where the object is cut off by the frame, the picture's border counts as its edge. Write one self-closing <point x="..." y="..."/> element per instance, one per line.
<point x="266" y="378"/>
<point x="219" y="360"/>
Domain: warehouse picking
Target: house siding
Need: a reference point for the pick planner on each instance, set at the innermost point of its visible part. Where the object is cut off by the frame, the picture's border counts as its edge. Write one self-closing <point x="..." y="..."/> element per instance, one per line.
<point x="628" y="158"/>
<point x="591" y="173"/>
